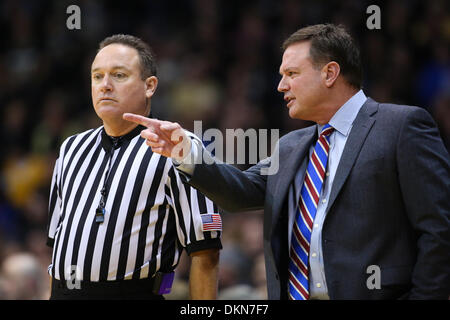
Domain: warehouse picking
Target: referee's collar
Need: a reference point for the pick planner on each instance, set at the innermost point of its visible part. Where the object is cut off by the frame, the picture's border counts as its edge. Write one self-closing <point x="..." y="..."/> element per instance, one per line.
<point x="108" y="142"/>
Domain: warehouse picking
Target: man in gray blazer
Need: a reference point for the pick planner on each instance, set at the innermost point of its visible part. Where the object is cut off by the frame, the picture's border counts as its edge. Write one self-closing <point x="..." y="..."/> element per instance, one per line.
<point x="359" y="212"/>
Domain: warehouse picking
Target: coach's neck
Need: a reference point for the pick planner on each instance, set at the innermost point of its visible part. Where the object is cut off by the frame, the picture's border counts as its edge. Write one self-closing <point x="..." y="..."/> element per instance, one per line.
<point x="336" y="97"/>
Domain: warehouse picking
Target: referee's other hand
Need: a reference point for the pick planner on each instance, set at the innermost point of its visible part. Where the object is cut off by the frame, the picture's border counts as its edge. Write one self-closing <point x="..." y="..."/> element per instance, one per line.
<point x="164" y="137"/>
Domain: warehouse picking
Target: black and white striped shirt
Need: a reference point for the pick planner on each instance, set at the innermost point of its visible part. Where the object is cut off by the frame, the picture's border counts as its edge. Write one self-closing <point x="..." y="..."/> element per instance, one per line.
<point x="150" y="214"/>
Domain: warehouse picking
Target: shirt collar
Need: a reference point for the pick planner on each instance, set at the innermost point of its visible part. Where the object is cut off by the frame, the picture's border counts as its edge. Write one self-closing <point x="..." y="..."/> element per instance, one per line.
<point x="108" y="142"/>
<point x="342" y="120"/>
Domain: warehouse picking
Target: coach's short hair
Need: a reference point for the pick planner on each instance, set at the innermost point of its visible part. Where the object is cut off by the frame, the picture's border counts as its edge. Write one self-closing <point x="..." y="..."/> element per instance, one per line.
<point x="331" y="43"/>
<point x="146" y="56"/>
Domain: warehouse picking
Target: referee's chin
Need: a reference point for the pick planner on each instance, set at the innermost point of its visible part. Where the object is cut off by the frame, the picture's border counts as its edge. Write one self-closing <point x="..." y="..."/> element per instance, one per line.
<point x="108" y="112"/>
<point x="113" y="122"/>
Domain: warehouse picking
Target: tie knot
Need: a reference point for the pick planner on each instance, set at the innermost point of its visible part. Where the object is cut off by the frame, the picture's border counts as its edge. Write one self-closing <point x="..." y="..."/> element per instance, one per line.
<point x="326" y="130"/>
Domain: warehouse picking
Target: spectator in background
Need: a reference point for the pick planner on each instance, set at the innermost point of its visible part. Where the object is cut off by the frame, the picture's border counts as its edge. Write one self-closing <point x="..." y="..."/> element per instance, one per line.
<point x="23" y="278"/>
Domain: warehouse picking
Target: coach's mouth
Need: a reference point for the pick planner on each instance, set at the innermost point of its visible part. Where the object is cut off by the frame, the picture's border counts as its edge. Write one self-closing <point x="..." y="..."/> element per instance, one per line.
<point x="289" y="100"/>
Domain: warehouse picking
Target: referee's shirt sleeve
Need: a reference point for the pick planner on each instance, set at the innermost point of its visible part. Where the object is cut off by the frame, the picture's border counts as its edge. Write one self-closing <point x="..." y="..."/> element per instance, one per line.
<point x="54" y="208"/>
<point x="190" y="205"/>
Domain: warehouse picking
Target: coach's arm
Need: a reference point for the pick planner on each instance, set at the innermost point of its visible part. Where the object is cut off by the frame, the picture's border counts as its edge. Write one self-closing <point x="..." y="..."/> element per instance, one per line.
<point x="229" y="187"/>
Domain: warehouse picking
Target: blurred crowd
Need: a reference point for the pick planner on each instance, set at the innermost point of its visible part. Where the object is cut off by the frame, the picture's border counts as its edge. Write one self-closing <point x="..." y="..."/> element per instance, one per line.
<point x="217" y="62"/>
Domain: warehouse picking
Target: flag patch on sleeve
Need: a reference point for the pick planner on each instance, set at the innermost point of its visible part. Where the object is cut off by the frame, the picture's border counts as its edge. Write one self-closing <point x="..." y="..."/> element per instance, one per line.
<point x="211" y="222"/>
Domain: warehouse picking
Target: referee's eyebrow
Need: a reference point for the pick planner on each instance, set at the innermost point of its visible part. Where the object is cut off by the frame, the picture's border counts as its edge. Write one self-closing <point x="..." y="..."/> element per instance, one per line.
<point x="113" y="68"/>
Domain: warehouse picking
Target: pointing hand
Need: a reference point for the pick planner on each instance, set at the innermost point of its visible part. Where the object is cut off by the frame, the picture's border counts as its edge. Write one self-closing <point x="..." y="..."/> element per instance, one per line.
<point x="164" y="137"/>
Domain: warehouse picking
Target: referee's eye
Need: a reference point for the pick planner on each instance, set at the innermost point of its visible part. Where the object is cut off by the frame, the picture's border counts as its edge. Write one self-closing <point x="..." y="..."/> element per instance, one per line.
<point x="97" y="76"/>
<point x="120" y="76"/>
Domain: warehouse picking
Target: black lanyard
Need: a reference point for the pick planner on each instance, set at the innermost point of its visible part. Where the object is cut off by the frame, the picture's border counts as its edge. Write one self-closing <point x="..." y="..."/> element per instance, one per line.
<point x="100" y="211"/>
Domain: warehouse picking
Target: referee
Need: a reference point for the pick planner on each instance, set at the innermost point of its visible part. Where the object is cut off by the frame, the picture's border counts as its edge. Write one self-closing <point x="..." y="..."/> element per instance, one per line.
<point x="119" y="215"/>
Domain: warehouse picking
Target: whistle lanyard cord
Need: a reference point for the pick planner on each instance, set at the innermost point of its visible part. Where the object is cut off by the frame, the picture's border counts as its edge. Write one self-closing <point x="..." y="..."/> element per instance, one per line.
<point x="100" y="212"/>
<point x="108" y="171"/>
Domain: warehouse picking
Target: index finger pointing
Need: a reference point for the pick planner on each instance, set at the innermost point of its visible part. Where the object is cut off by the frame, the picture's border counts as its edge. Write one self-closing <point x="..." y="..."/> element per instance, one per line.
<point x="136" y="118"/>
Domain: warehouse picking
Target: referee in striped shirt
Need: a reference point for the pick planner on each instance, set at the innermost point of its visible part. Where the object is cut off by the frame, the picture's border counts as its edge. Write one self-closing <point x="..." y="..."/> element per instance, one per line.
<point x="119" y="215"/>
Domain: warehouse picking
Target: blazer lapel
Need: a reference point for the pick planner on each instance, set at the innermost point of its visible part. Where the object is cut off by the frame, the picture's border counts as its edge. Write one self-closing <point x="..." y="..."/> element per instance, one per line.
<point x="361" y="127"/>
<point x="287" y="171"/>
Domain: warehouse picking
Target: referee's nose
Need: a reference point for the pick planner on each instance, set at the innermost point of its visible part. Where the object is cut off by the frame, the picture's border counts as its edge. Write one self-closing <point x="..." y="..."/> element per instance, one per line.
<point x="106" y="84"/>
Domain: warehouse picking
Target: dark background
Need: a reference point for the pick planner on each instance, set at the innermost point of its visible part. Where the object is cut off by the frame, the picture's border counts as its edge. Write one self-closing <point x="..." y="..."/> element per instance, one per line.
<point x="217" y="62"/>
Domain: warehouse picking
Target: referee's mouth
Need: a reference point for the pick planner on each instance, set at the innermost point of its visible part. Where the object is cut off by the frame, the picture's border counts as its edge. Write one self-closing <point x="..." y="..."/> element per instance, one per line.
<point x="106" y="99"/>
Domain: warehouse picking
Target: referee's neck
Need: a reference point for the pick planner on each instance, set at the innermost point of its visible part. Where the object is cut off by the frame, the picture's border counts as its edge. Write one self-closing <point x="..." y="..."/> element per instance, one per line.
<point x="118" y="131"/>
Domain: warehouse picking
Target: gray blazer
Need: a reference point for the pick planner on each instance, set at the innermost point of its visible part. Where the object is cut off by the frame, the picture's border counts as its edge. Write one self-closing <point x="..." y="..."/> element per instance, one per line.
<point x="389" y="206"/>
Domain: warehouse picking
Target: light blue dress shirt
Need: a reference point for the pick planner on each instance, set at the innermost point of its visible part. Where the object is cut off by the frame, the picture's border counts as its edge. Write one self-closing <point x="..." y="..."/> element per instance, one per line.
<point x="342" y="122"/>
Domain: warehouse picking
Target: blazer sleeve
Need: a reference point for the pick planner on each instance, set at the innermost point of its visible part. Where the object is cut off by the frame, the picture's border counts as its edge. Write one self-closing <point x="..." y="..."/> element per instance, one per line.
<point x="230" y="188"/>
<point x="424" y="174"/>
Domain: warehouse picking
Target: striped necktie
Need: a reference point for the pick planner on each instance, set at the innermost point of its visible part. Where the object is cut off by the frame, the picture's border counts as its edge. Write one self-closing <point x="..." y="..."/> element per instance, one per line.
<point x="306" y="212"/>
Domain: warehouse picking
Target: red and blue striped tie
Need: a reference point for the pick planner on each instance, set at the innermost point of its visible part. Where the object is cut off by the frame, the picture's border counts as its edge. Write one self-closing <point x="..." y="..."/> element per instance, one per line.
<point x="306" y="212"/>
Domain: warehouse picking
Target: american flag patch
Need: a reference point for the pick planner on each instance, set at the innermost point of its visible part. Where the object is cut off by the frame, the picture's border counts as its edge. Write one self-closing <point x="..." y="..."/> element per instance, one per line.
<point x="211" y="222"/>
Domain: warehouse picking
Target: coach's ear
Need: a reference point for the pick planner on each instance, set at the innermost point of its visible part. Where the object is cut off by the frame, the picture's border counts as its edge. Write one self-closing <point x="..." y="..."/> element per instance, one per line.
<point x="150" y="86"/>
<point x="330" y="73"/>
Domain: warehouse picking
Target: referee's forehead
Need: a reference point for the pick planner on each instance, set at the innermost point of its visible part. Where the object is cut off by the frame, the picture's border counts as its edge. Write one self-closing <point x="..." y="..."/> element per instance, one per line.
<point x="114" y="56"/>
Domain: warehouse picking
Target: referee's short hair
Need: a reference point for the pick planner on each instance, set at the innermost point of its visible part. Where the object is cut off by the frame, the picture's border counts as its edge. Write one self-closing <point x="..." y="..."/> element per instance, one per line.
<point x="146" y="55"/>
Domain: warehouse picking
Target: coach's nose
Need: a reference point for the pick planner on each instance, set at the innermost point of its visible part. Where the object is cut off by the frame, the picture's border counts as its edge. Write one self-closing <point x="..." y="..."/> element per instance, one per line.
<point x="283" y="85"/>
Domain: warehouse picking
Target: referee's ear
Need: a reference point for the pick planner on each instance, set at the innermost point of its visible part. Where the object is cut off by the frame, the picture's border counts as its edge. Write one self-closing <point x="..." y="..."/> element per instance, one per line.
<point x="151" y="83"/>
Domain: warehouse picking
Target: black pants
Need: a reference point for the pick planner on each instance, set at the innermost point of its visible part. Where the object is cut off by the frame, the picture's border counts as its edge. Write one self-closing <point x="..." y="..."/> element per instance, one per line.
<point x="110" y="290"/>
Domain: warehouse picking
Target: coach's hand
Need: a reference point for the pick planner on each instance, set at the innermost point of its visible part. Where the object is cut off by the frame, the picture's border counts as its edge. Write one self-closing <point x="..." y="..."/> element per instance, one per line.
<point x="164" y="137"/>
